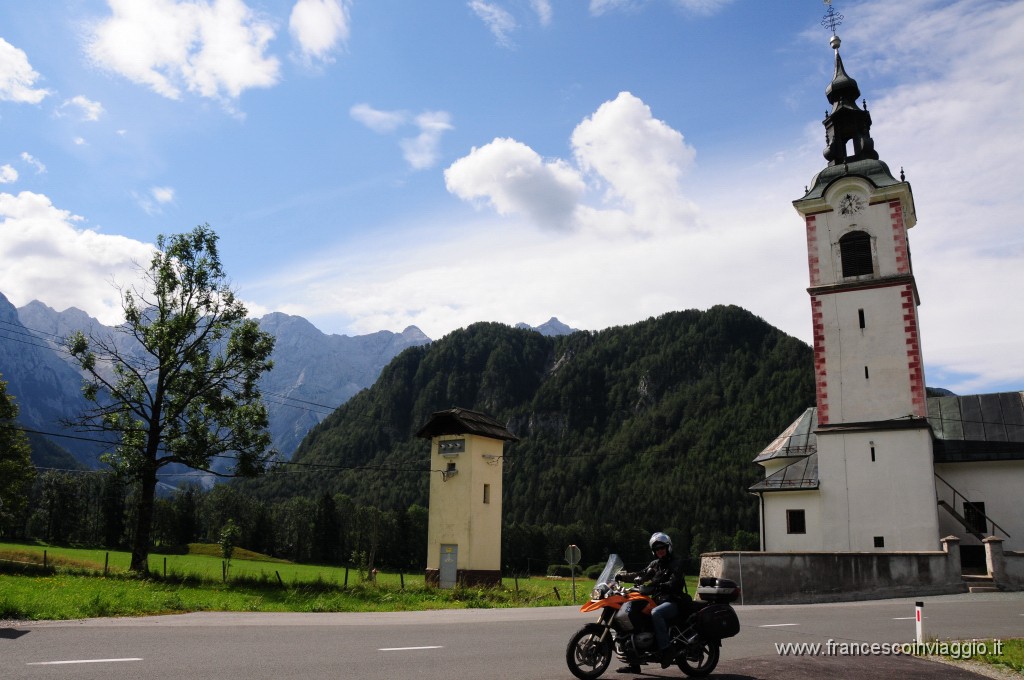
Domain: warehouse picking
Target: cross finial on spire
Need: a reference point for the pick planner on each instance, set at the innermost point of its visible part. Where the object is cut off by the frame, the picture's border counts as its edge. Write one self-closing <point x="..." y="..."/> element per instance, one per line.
<point x="831" y="20"/>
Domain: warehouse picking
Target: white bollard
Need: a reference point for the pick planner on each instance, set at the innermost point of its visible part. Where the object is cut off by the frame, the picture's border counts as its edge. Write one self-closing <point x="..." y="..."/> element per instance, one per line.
<point x="918" y="615"/>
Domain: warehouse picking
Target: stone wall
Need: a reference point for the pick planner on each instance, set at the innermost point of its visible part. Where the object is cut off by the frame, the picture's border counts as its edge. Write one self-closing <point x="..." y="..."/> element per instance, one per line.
<point x="1005" y="568"/>
<point x="795" y="578"/>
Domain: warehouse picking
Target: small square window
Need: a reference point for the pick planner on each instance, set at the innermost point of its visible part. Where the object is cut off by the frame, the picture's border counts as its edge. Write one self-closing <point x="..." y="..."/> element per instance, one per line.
<point x="796" y="522"/>
<point x="879" y="541"/>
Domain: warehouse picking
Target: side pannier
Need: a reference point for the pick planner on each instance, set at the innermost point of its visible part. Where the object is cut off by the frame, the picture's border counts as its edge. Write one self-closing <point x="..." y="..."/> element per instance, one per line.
<point x="717" y="621"/>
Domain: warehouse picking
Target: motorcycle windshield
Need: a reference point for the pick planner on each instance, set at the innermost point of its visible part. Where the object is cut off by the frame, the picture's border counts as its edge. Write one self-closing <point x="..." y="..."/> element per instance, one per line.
<point x="614" y="566"/>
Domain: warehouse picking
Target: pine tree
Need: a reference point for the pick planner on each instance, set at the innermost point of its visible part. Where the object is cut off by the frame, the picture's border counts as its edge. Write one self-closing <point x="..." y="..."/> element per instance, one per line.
<point x="16" y="471"/>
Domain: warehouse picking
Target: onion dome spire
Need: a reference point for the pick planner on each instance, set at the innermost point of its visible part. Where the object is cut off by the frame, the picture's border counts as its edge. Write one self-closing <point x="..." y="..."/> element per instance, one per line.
<point x="846" y="122"/>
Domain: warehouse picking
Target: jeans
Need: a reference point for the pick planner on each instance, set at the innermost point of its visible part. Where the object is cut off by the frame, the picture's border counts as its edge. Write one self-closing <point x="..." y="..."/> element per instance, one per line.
<point x="660" y="616"/>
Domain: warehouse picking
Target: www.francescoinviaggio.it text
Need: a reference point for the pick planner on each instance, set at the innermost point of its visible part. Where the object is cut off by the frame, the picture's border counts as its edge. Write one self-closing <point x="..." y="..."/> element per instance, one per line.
<point x="956" y="649"/>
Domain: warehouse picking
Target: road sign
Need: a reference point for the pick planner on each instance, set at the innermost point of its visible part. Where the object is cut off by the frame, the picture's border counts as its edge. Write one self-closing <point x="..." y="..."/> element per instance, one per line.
<point x="572" y="555"/>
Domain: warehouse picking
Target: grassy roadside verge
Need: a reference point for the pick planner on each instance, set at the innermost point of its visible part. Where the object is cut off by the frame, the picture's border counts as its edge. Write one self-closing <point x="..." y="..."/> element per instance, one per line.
<point x="1009" y="660"/>
<point x="68" y="596"/>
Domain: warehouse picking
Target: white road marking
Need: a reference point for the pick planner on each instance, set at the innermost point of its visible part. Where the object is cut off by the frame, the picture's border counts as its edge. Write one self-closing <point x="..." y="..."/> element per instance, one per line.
<point x="912" y="618"/>
<point x="61" y="663"/>
<point x="407" y="649"/>
<point x="778" y="625"/>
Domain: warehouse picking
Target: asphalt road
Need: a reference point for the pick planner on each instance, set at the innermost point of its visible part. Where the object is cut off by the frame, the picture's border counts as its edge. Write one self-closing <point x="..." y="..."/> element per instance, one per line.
<point x="523" y="644"/>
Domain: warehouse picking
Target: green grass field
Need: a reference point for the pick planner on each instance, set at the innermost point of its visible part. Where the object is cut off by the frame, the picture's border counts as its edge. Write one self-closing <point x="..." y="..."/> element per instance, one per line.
<point x="68" y="587"/>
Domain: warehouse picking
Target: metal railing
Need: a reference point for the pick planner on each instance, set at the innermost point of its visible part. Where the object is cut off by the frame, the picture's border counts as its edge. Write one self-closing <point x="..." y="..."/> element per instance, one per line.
<point x="962" y="518"/>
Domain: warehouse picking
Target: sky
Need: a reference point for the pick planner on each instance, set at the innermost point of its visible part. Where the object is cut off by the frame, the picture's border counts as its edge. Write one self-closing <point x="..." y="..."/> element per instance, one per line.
<point x="375" y="164"/>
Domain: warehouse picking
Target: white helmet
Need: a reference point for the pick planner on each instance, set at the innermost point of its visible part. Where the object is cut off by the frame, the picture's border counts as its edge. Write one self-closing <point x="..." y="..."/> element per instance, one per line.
<point x="659" y="539"/>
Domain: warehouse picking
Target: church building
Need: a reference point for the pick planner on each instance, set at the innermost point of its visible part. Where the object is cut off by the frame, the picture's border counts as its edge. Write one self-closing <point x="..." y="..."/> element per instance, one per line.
<point x="878" y="464"/>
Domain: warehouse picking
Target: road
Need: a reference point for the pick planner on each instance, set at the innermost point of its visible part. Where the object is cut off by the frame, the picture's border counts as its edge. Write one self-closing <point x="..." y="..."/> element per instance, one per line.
<point x="524" y="644"/>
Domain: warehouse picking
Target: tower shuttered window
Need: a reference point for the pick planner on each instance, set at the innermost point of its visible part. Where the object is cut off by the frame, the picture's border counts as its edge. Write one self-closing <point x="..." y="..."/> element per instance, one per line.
<point x="855" y="250"/>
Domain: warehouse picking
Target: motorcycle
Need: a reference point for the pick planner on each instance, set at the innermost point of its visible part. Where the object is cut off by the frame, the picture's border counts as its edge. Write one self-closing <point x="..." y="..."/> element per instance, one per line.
<point x="625" y="630"/>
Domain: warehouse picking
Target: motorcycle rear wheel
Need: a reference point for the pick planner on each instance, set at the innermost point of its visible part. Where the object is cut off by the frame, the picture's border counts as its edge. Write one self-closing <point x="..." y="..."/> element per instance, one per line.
<point x="705" y="663"/>
<point x="587" y="655"/>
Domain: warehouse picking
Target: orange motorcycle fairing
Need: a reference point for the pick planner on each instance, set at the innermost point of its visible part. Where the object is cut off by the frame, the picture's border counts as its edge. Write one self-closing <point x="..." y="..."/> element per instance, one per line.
<point x="616" y="602"/>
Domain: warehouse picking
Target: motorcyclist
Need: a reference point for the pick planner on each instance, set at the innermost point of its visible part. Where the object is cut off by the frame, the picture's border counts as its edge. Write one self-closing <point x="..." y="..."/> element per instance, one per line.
<point x="664" y="580"/>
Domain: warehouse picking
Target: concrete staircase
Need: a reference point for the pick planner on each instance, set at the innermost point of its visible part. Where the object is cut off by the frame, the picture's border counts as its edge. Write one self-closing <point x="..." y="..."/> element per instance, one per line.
<point x="980" y="584"/>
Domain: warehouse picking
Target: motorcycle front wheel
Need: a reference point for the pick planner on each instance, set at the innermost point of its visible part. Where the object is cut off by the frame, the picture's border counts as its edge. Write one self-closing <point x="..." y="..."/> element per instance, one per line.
<point x="704" y="661"/>
<point x="587" y="655"/>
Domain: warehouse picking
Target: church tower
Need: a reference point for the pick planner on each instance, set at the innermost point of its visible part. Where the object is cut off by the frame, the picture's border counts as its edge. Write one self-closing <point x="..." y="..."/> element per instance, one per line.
<point x="874" y="445"/>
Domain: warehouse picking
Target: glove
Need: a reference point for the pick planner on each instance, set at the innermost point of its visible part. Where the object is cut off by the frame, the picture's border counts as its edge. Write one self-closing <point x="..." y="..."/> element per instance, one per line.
<point x="621" y="576"/>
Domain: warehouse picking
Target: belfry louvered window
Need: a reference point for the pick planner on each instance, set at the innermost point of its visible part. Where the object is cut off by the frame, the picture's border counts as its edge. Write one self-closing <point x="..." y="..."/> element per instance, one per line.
<point x="855" y="250"/>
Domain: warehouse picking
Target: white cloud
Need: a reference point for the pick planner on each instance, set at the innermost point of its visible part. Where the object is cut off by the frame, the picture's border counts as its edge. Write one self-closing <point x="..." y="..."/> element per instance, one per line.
<point x="152" y="202"/>
<point x="318" y="26"/>
<point x="513" y="179"/>
<point x="162" y="194"/>
<point x="17" y="77"/>
<point x="640" y="159"/>
<point x="497" y="19"/>
<point x="89" y="109"/>
<point x="36" y="234"/>
<point x="8" y="174"/>
<point x="634" y="160"/>
<point x="377" y="120"/>
<point x="215" y="49"/>
<point x="28" y="158"/>
<point x="421" y="151"/>
<point x="79" y="141"/>
<point x="543" y="10"/>
<point x="501" y="270"/>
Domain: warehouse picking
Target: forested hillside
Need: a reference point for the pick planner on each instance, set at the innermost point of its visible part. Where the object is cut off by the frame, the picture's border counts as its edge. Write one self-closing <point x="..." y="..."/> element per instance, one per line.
<point x="647" y="426"/>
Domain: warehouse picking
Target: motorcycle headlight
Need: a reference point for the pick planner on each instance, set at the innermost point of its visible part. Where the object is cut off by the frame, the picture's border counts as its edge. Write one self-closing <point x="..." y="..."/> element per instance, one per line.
<point x="599" y="591"/>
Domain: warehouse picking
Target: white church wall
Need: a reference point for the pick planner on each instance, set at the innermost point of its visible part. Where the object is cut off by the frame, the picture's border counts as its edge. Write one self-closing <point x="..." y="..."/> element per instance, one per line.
<point x="889" y="499"/>
<point x="777" y="535"/>
<point x="863" y="383"/>
<point x="997" y="484"/>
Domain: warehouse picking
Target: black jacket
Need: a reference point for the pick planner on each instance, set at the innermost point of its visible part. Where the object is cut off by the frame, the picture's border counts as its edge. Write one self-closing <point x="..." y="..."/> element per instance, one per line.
<point x="666" y="577"/>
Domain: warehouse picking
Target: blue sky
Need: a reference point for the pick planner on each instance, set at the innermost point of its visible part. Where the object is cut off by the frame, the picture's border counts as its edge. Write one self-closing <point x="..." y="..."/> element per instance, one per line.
<point x="372" y="164"/>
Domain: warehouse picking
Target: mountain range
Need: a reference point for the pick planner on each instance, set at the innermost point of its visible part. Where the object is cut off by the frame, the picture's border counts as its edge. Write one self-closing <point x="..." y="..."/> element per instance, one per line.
<point x="314" y="373"/>
<point x="647" y="425"/>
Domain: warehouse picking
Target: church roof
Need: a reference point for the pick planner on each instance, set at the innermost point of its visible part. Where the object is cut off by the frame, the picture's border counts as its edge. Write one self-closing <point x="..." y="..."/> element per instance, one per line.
<point x="464" y="421"/>
<point x="969" y="428"/>
<point x="873" y="170"/>
<point x="796" y="441"/>
<point x="803" y="474"/>
<point x="977" y="427"/>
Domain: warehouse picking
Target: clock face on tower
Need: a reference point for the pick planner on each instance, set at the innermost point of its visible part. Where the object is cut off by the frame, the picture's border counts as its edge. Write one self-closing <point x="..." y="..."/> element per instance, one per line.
<point x="851" y="204"/>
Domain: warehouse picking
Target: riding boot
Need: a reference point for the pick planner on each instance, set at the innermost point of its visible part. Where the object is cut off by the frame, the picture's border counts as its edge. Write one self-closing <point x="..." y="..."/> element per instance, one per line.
<point x="666" y="656"/>
<point x="632" y="667"/>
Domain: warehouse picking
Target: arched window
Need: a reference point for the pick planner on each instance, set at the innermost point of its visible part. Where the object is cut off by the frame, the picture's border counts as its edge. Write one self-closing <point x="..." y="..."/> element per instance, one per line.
<point x="855" y="250"/>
